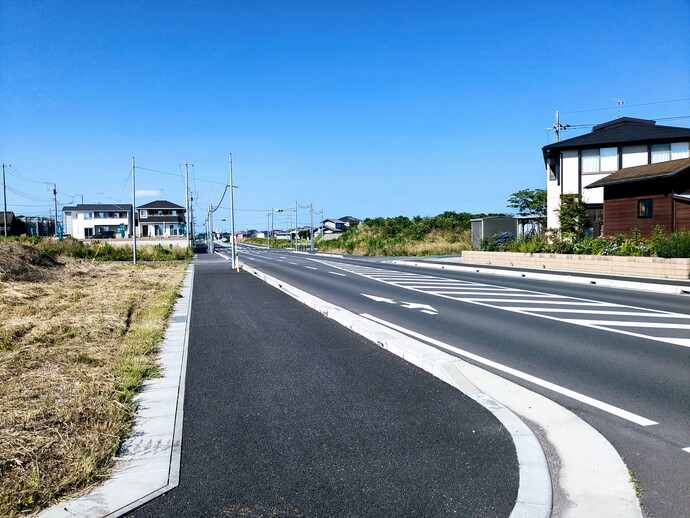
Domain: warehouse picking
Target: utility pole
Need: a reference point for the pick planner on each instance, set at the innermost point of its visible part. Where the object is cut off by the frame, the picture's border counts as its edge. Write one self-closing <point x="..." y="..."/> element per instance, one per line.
<point x="4" y="196"/>
<point x="56" y="212"/>
<point x="186" y="201"/>
<point x="296" y="231"/>
<point x="233" y="251"/>
<point x="311" y="227"/>
<point x="558" y="127"/>
<point x="134" y="216"/>
<point x="191" y="217"/>
<point x="268" y="229"/>
<point x="209" y="220"/>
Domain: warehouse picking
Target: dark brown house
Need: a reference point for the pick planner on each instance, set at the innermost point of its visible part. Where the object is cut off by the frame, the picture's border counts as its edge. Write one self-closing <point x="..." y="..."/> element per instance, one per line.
<point x="645" y="196"/>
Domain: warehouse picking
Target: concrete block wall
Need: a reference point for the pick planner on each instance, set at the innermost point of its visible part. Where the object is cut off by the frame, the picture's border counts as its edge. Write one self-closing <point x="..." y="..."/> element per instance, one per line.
<point x="651" y="267"/>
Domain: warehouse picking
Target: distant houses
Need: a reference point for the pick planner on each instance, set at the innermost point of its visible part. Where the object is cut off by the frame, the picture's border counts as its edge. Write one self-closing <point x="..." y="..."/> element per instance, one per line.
<point x="159" y="219"/>
<point x="339" y="225"/>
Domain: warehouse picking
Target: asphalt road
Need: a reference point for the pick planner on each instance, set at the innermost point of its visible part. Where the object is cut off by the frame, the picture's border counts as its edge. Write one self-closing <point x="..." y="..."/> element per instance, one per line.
<point x="289" y="414"/>
<point x="627" y="350"/>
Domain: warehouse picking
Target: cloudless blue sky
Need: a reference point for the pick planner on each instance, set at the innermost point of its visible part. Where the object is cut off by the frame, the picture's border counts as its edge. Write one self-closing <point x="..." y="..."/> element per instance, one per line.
<point x="364" y="108"/>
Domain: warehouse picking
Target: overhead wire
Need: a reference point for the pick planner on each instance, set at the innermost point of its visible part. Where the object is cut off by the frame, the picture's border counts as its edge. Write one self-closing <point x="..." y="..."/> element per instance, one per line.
<point x="628" y="106"/>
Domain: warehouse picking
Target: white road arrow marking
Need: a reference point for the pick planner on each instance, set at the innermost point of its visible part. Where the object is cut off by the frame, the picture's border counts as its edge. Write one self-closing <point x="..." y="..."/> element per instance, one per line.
<point x="423" y="307"/>
<point x="379" y="299"/>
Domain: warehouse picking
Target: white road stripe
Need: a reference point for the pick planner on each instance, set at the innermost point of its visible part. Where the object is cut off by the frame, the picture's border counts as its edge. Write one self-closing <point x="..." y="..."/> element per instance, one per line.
<point x="338" y="274"/>
<point x="601" y="312"/>
<point x="502" y="294"/>
<point x="687" y="449"/>
<point x="293" y="264"/>
<point x="619" y="412"/>
<point x="311" y="267"/>
<point x="559" y="302"/>
<point x="626" y="323"/>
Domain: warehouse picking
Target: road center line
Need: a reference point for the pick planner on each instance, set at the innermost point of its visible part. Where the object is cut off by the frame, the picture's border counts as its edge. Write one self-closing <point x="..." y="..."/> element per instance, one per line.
<point x="619" y="412"/>
<point x="338" y="274"/>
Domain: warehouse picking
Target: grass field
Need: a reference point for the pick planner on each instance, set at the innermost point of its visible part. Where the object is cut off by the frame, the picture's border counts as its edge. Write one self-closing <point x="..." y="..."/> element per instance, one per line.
<point x="77" y="338"/>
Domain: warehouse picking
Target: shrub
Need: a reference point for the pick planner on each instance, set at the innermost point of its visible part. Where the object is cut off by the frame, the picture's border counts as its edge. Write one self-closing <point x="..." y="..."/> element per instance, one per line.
<point x="677" y="245"/>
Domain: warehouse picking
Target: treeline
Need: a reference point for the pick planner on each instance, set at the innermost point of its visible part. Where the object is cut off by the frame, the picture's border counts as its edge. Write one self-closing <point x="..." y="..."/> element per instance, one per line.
<point x="419" y="227"/>
<point x="447" y="233"/>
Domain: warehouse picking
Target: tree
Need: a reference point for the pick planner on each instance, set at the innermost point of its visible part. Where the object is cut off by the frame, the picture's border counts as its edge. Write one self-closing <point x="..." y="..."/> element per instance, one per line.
<point x="572" y="215"/>
<point x="529" y="202"/>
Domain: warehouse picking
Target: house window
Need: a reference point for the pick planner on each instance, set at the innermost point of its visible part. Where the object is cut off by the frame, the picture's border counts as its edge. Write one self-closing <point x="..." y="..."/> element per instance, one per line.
<point x="88" y="215"/>
<point x="661" y="153"/>
<point x="553" y="165"/>
<point x="680" y="150"/>
<point x="143" y="213"/>
<point x="608" y="159"/>
<point x="645" y="208"/>
<point x="589" y="161"/>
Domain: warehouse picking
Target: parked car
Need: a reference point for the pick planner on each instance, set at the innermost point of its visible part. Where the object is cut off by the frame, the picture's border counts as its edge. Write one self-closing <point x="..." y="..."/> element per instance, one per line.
<point x="104" y="234"/>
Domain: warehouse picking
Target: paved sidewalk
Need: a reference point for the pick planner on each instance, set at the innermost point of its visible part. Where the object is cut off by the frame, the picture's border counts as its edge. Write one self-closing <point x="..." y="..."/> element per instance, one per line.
<point x="290" y="414"/>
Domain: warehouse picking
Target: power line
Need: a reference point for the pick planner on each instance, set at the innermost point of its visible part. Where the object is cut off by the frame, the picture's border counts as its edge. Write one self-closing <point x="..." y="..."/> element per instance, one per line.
<point x="22" y="176"/>
<point x="630" y="105"/>
<point x="30" y="197"/>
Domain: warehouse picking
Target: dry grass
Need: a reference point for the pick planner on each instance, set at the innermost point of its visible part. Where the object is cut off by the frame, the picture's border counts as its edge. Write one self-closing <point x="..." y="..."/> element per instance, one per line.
<point x="76" y="340"/>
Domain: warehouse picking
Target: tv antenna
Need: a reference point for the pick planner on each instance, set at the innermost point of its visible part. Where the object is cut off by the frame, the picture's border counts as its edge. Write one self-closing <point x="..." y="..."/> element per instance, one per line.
<point x="619" y="102"/>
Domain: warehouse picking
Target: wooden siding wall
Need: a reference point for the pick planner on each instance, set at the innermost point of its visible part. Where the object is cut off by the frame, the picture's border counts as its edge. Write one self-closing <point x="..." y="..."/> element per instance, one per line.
<point x="620" y="209"/>
<point x="682" y="216"/>
<point x="620" y="215"/>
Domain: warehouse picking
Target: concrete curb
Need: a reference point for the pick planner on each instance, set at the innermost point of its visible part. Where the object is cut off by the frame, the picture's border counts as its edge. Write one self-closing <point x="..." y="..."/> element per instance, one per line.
<point x="534" y="493"/>
<point x="149" y="460"/>
<point x="563" y="277"/>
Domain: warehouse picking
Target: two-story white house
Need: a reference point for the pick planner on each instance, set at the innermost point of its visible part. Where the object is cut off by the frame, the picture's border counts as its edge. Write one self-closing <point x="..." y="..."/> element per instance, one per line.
<point x="99" y="220"/>
<point x="161" y="218"/>
<point x="575" y="163"/>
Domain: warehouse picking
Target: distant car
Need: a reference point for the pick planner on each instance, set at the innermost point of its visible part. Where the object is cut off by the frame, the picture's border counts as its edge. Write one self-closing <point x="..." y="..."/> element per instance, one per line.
<point x="104" y="234"/>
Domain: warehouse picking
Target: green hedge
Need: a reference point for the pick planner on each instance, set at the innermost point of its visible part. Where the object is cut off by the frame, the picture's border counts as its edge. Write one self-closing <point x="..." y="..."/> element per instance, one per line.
<point x="676" y="245"/>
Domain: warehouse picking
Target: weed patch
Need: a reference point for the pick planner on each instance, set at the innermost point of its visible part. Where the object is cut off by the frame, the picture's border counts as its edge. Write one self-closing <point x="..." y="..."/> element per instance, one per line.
<point x="76" y="342"/>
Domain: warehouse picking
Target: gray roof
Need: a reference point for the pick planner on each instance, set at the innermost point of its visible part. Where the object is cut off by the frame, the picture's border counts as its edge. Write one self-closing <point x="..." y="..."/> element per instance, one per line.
<point x="623" y="131"/>
<point x="161" y="204"/>
<point x="659" y="170"/>
<point x="99" y="207"/>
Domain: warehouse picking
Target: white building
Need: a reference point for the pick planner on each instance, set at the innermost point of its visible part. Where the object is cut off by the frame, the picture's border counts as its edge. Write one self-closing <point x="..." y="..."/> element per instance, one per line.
<point x="575" y="163"/>
<point x="100" y="220"/>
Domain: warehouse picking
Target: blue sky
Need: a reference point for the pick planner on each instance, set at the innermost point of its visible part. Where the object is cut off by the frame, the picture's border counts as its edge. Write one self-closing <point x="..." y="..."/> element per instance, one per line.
<point x="364" y="108"/>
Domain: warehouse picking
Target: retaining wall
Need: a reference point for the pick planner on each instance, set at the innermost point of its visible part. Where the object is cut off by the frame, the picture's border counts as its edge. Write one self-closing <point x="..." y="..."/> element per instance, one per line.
<point x="651" y="267"/>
